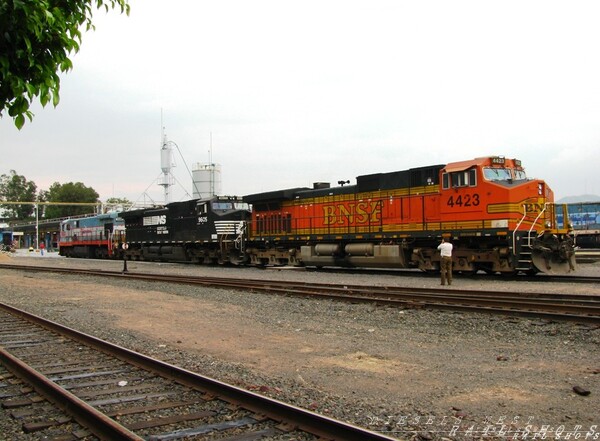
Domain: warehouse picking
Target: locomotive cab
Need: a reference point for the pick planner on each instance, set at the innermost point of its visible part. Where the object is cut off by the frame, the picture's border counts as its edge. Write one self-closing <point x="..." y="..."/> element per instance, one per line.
<point x="516" y="226"/>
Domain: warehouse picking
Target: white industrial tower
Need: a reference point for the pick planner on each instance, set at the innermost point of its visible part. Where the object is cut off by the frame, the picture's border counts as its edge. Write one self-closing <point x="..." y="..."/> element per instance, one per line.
<point x="206" y="178"/>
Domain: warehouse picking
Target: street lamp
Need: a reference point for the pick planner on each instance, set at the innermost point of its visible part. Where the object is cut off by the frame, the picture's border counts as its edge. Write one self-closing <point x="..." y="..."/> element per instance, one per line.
<point x="37" y="228"/>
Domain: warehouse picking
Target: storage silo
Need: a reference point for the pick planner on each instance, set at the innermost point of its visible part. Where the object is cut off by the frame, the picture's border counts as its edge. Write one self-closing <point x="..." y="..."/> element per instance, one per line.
<point x="206" y="180"/>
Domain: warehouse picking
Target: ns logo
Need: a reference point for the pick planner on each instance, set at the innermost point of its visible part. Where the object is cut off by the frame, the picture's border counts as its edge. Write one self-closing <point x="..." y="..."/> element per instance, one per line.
<point x="155" y="220"/>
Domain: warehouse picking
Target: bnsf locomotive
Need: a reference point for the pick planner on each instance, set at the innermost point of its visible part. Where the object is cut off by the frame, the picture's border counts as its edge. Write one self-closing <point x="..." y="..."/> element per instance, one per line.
<point x="497" y="219"/>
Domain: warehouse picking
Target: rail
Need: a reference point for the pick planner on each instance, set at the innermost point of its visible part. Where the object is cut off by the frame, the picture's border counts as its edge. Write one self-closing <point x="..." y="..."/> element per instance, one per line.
<point x="202" y="405"/>
<point x="566" y="307"/>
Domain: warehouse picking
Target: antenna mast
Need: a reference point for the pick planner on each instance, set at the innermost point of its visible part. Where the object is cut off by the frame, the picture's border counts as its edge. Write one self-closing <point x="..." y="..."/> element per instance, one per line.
<point x="212" y="168"/>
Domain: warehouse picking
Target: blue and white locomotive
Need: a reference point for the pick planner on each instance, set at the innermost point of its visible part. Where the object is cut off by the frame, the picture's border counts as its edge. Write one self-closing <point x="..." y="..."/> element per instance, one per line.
<point x="92" y="236"/>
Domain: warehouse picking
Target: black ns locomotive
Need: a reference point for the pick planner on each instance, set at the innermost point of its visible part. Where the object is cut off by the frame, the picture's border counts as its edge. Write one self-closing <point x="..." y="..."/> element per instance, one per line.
<point x="198" y="231"/>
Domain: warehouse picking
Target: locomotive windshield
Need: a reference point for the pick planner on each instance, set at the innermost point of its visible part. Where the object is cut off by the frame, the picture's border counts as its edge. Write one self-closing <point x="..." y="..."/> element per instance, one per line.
<point x="497" y="174"/>
<point x="230" y="206"/>
<point x="222" y="205"/>
<point x="520" y="175"/>
<point x="503" y="174"/>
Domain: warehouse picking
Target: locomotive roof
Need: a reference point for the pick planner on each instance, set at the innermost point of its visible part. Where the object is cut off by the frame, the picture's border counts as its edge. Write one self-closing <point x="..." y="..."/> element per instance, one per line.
<point x="414" y="177"/>
<point x="140" y="211"/>
<point x="463" y="165"/>
<point x="276" y="195"/>
<point x="498" y="161"/>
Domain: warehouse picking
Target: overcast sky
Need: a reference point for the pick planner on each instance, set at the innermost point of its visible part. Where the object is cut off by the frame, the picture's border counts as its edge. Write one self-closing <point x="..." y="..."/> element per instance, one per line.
<point x="299" y="92"/>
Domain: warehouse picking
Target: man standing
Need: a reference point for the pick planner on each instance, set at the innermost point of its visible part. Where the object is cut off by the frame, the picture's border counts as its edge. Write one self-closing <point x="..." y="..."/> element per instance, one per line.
<point x="446" y="261"/>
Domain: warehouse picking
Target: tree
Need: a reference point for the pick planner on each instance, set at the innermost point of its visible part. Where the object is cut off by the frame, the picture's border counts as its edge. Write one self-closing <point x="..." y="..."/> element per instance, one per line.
<point x="70" y="192"/>
<point x="118" y="203"/>
<point x="16" y="188"/>
<point x="36" y="39"/>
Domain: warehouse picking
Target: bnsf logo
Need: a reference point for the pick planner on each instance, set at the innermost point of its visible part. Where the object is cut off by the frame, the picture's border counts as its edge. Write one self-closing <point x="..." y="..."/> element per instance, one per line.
<point x="360" y="213"/>
<point x="155" y="220"/>
<point x="534" y="208"/>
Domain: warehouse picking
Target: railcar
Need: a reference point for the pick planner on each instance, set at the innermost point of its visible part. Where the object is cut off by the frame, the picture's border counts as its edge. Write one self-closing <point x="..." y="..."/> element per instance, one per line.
<point x="497" y="219"/>
<point x="95" y="237"/>
<point x="199" y="231"/>
<point x="6" y="240"/>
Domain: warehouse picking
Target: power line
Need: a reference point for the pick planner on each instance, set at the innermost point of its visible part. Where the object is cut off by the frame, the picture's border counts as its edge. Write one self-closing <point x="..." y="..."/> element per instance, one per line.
<point x="92" y="204"/>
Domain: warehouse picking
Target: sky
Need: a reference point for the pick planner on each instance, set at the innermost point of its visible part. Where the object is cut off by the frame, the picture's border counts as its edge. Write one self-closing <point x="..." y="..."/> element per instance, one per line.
<point x="282" y="94"/>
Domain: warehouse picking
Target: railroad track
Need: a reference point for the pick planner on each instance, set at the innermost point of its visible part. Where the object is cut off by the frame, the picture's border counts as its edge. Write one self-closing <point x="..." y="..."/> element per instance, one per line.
<point x="570" y="307"/>
<point x="76" y="386"/>
<point x="544" y="278"/>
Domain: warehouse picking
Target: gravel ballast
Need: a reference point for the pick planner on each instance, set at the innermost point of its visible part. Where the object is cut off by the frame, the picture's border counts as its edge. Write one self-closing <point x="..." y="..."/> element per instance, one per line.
<point x="411" y="373"/>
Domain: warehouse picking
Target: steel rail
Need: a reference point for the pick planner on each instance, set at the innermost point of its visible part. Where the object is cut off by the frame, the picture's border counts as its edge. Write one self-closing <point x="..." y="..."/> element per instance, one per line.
<point x="543" y="278"/>
<point x="107" y="429"/>
<point x="231" y="282"/>
<point x="101" y="425"/>
<point x="582" y="308"/>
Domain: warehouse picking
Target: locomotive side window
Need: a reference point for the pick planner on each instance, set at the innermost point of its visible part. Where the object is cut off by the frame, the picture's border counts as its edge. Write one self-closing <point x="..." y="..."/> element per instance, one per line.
<point x="472" y="178"/>
<point x="458" y="179"/>
<point x="467" y="178"/>
<point x="201" y="208"/>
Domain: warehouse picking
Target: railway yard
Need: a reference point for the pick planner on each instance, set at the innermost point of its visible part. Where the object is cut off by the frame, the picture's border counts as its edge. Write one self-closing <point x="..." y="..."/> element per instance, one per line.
<point x="406" y="371"/>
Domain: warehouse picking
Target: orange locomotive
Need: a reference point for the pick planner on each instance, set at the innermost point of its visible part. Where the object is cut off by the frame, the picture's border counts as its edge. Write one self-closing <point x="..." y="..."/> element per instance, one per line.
<point x="497" y="219"/>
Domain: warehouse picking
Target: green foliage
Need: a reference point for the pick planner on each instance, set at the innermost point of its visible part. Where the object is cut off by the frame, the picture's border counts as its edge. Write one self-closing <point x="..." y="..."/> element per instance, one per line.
<point x="114" y="202"/>
<point x="36" y="39"/>
<point x="70" y="192"/>
<point x="16" y="188"/>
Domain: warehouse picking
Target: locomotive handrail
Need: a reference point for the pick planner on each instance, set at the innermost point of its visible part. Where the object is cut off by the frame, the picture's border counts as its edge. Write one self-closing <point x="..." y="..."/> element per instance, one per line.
<point x="514" y="235"/>
<point x="239" y="240"/>
<point x="531" y="228"/>
<point x="535" y="222"/>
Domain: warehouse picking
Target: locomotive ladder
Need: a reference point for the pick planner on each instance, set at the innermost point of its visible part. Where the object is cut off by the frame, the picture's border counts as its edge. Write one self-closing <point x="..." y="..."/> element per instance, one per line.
<point x="525" y="261"/>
